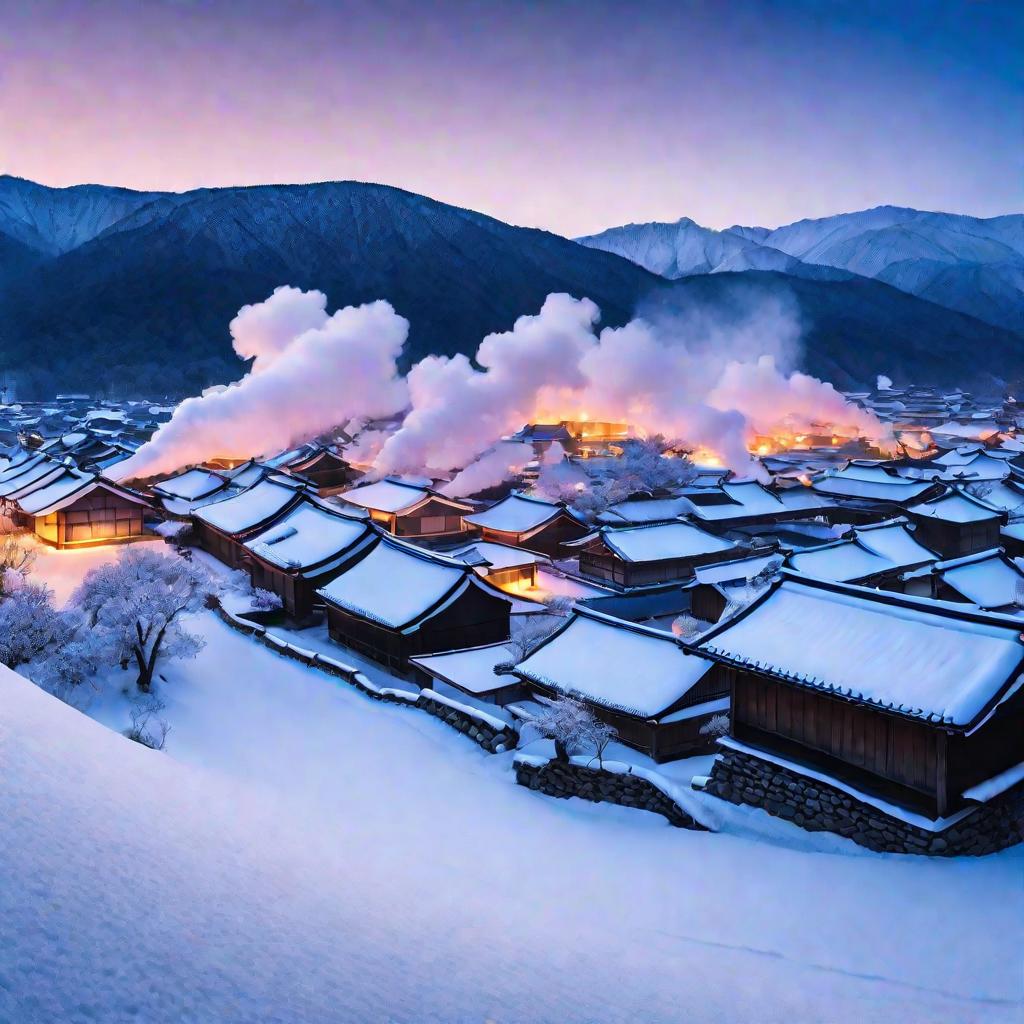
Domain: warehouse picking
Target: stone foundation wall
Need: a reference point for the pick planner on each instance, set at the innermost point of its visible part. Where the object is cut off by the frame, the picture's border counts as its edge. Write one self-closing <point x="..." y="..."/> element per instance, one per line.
<point x="493" y="740"/>
<point x="559" y="779"/>
<point x="817" y="807"/>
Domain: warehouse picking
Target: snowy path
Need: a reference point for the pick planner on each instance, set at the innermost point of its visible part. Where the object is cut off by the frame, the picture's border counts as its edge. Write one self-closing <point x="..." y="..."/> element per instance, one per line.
<point x="304" y="854"/>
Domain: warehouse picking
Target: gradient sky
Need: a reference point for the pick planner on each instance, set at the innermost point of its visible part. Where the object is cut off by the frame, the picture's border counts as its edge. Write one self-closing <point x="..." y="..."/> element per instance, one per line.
<point x="573" y="116"/>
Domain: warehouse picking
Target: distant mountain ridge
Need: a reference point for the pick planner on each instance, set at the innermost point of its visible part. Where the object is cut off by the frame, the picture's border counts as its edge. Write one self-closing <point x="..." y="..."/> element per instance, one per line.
<point x="104" y="286"/>
<point x="970" y="264"/>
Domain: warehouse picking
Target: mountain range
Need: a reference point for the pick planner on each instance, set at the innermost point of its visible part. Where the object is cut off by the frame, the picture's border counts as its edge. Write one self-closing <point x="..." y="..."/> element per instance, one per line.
<point x="107" y="288"/>
<point x="970" y="264"/>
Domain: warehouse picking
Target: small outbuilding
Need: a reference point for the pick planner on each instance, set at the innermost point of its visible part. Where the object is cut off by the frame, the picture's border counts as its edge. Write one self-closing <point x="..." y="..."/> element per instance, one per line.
<point x="527" y="522"/>
<point x="658" y="696"/>
<point x="408" y="509"/>
<point x="956" y="523"/>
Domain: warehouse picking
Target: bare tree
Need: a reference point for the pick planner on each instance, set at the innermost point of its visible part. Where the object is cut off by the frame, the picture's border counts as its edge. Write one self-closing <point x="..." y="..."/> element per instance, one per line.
<point x="137" y="603"/>
<point x="148" y="727"/>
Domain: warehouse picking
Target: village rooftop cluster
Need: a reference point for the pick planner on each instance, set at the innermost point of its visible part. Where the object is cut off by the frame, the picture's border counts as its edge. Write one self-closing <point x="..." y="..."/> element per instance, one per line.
<point x="844" y="633"/>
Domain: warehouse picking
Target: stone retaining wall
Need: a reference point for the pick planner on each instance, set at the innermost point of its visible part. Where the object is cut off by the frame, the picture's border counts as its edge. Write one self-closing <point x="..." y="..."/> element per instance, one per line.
<point x="484" y="733"/>
<point x="744" y="779"/>
<point x="561" y="779"/>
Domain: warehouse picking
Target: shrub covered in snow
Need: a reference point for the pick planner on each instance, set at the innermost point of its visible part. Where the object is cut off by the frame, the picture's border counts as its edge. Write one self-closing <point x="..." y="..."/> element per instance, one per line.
<point x="265" y="600"/>
<point x="573" y="728"/>
<point x="716" y="725"/>
<point x="30" y="626"/>
<point x="136" y="603"/>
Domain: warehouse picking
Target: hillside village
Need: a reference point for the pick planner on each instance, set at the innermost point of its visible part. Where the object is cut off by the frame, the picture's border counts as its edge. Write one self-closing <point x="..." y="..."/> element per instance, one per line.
<point x="836" y="642"/>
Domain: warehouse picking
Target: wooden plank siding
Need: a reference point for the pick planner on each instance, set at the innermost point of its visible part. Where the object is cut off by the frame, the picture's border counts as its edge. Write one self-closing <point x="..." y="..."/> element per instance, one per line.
<point x="93" y="519"/>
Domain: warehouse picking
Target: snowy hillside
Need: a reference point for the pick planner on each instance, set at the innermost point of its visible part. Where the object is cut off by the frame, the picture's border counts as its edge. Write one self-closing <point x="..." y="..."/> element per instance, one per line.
<point x="969" y="264"/>
<point x="302" y="854"/>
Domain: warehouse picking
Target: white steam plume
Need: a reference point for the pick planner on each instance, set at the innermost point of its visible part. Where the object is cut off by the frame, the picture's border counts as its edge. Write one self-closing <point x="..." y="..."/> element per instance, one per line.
<point x="883" y="383"/>
<point x="507" y="459"/>
<point x="311" y="372"/>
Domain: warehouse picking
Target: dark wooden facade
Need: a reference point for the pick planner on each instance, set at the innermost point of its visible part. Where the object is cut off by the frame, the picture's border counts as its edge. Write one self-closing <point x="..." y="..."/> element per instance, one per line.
<point x="431" y="519"/>
<point x="599" y="563"/>
<point x="298" y="591"/>
<point x="326" y="471"/>
<point x="953" y="540"/>
<point x="476" y="617"/>
<point x="908" y="761"/>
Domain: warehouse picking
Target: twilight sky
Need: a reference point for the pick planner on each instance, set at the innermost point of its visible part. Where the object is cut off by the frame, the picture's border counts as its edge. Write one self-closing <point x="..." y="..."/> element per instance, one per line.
<point x="573" y="115"/>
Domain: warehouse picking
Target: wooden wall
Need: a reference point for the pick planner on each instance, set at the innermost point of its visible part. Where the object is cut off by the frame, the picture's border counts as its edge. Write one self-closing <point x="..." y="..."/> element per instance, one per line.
<point x="95" y="517"/>
<point x="953" y="540"/>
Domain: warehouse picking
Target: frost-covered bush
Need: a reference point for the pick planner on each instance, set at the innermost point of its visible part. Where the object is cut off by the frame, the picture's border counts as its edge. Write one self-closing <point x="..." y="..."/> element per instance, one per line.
<point x="528" y="632"/>
<point x="30" y="626"/>
<point x="136" y="604"/>
<point x="716" y="725"/>
<point x="573" y="728"/>
<point x="265" y="600"/>
<point x="148" y="727"/>
<point x="67" y="671"/>
<point x="686" y="626"/>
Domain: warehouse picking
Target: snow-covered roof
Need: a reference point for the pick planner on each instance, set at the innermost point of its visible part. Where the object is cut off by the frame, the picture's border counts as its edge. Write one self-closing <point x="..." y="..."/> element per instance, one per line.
<point x="497" y="556"/>
<point x="191" y="485"/>
<point x="246" y="474"/>
<point x="392" y="495"/>
<point x="737" y="569"/>
<point x="870" y="551"/>
<point x="743" y="499"/>
<point x="847" y="484"/>
<point x="69" y="488"/>
<point x="987" y="579"/>
<point x="915" y="657"/>
<point x="1005" y="495"/>
<point x="615" y="664"/>
<point x="517" y="513"/>
<point x="18" y="470"/>
<point x="470" y="670"/>
<point x="659" y="542"/>
<point x="310" y="535"/>
<point x="37" y="475"/>
<point x="251" y="508"/>
<point x="651" y="510"/>
<point x="955" y="506"/>
<point x="398" y="585"/>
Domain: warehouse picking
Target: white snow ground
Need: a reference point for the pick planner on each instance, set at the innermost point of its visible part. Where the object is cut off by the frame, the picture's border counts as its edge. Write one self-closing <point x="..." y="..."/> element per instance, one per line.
<point x="303" y="854"/>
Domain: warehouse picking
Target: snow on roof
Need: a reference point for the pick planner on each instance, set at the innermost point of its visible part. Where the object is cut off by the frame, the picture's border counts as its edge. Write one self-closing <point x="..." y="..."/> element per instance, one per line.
<point x="396" y="584"/>
<point x="615" y="664"/>
<point x="661" y="541"/>
<point x="920" y="658"/>
<point x="192" y="484"/>
<point x="1007" y="496"/>
<point x="38" y="475"/>
<point x="388" y="495"/>
<point x="518" y="513"/>
<point x="893" y="489"/>
<point x="955" y="506"/>
<point x="843" y="561"/>
<point x="986" y="579"/>
<point x="308" y="535"/>
<point x="736" y="570"/>
<point x="892" y="540"/>
<point x="17" y="470"/>
<point x="746" y="498"/>
<point x="246" y="474"/>
<point x="498" y="556"/>
<point x="470" y="670"/>
<point x="250" y="508"/>
<point x="651" y="510"/>
<point x="56" y="491"/>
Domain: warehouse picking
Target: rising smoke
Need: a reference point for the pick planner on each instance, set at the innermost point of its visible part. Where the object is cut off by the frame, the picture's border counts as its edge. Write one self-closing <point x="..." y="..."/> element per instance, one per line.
<point x="707" y="378"/>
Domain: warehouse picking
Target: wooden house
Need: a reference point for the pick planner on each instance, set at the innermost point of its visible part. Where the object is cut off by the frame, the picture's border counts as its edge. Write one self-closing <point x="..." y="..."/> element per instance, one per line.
<point x="882" y="696"/>
<point x="408" y="509"/>
<point x="504" y="566"/>
<point x="875" y="555"/>
<point x="655" y="694"/>
<point x="399" y="601"/>
<point x="471" y="672"/>
<point x="860" y="487"/>
<point x="223" y="526"/>
<point x="303" y="550"/>
<point x="531" y="523"/>
<point x="987" y="579"/>
<point x="956" y="523"/>
<point x="639" y="556"/>
<point x="75" y="508"/>
<point x="324" y="470"/>
<point x="181" y="494"/>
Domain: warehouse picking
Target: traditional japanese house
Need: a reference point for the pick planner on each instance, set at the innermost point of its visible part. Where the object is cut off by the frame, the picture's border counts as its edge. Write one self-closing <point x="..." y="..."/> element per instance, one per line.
<point x="746" y="503"/>
<point x="716" y="585"/>
<point x="901" y="703"/>
<point x="531" y="523"/>
<point x="224" y="526"/>
<point x="987" y="579"/>
<point x="324" y="470"/>
<point x="27" y="472"/>
<point x="181" y="494"/>
<point x="76" y="508"/>
<point x="471" y="672"/>
<point x="400" y="601"/>
<point x="874" y="555"/>
<point x="871" y="489"/>
<point x="305" y="549"/>
<point x="639" y="511"/>
<point x="639" y="556"/>
<point x="656" y="695"/>
<point x="506" y="567"/>
<point x="408" y="509"/>
<point x="956" y="523"/>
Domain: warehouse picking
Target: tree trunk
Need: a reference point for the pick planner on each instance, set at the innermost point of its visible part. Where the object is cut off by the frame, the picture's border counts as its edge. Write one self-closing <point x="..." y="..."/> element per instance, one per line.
<point x="145" y="679"/>
<point x="561" y="754"/>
